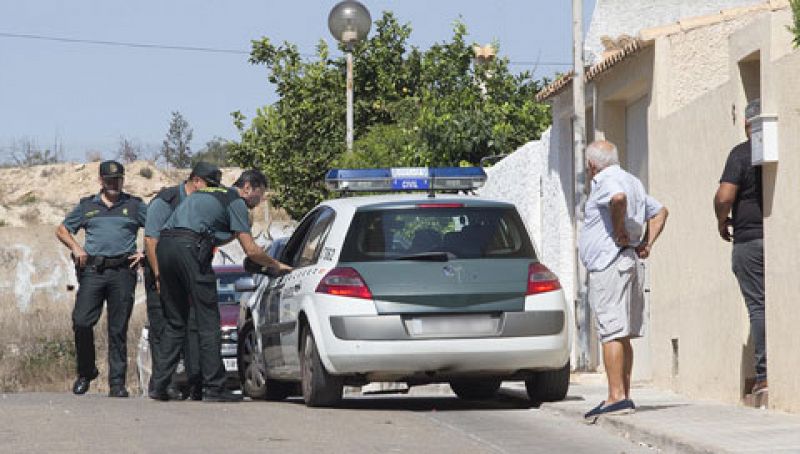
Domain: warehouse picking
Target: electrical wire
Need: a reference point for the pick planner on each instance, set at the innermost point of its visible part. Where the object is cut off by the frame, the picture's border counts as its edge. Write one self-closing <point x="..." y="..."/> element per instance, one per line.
<point x="194" y="48"/>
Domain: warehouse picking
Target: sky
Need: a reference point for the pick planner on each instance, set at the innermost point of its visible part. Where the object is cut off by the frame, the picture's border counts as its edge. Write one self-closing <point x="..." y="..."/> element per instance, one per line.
<point x="87" y="96"/>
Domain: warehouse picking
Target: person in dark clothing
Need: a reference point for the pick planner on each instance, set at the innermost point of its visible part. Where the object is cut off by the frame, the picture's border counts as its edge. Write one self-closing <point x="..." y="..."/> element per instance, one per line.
<point x="106" y="267"/>
<point x="209" y="217"/>
<point x="740" y="194"/>
<point x="159" y="210"/>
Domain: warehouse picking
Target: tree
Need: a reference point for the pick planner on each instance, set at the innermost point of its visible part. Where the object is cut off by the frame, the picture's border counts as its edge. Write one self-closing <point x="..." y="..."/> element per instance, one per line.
<point x="795" y="27"/>
<point x="26" y="152"/>
<point x="412" y="108"/>
<point x="175" y="149"/>
<point x="216" y="151"/>
<point x="128" y="150"/>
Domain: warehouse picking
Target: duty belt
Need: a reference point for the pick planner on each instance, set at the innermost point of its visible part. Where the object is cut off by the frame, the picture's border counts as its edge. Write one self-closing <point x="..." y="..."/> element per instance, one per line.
<point x="101" y="262"/>
<point x="182" y="233"/>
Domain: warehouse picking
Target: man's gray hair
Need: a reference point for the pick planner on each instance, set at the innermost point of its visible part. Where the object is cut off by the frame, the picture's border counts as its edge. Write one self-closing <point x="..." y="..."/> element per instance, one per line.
<point x="752" y="110"/>
<point x="602" y="154"/>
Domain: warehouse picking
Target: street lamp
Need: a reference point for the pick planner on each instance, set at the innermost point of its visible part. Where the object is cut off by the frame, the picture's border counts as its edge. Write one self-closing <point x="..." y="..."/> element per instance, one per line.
<point x="349" y="22"/>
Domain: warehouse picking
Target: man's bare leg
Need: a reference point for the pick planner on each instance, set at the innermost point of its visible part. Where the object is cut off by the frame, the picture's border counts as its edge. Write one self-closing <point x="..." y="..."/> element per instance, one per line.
<point x="614" y="361"/>
<point x="628" y="352"/>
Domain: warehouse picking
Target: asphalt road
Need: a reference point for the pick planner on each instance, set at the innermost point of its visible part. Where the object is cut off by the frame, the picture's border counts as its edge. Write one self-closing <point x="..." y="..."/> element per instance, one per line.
<point x="49" y="422"/>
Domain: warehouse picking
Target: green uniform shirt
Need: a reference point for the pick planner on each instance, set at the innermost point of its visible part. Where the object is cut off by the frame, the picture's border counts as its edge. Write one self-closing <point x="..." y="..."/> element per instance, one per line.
<point x="159" y="211"/>
<point x="214" y="210"/>
<point x="109" y="231"/>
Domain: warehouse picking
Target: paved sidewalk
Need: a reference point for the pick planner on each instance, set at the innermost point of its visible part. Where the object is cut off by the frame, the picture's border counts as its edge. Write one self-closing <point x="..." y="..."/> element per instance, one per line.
<point x="669" y="422"/>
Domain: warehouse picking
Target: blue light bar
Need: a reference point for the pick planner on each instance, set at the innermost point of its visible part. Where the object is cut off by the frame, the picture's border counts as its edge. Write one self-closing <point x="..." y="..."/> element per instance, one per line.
<point x="406" y="179"/>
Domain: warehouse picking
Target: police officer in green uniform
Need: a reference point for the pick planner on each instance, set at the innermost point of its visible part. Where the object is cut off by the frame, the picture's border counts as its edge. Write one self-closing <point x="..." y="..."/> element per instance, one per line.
<point x="159" y="210"/>
<point x="106" y="268"/>
<point x="208" y="217"/>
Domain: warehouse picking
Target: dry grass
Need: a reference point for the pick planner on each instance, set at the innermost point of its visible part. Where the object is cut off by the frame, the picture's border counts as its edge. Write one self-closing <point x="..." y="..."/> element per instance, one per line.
<point x="37" y="349"/>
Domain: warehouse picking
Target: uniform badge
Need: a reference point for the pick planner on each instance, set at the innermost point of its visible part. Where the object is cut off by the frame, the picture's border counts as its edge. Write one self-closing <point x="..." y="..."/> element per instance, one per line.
<point x="113" y="168"/>
<point x="91" y="213"/>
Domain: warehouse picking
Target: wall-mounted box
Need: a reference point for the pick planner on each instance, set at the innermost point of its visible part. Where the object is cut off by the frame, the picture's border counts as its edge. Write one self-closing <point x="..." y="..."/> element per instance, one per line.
<point x="764" y="138"/>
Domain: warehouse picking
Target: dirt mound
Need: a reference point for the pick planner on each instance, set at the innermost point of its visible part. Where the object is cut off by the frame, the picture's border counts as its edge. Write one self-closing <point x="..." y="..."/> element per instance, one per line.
<point x="44" y="194"/>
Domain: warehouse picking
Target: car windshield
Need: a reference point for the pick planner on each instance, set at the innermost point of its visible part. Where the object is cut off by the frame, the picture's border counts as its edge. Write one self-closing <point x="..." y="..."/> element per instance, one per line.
<point x="225" y="287"/>
<point x="460" y="232"/>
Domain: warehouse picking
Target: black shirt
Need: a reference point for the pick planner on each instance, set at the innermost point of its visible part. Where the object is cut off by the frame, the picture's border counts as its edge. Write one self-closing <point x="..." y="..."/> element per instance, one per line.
<point x="748" y="217"/>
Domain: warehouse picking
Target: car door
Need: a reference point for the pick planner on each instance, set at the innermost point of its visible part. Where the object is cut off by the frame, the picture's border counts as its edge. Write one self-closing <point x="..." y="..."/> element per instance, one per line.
<point x="299" y="284"/>
<point x="269" y="310"/>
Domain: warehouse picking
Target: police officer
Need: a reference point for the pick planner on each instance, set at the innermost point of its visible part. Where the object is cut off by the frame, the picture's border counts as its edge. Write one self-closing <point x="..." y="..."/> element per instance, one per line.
<point x="159" y="210"/>
<point x="208" y="217"/>
<point x="106" y="268"/>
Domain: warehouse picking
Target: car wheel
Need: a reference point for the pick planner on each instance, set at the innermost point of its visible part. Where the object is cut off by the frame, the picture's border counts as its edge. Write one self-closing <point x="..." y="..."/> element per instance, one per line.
<point x="475" y="389"/>
<point x="252" y="371"/>
<point x="549" y="385"/>
<point x="320" y="389"/>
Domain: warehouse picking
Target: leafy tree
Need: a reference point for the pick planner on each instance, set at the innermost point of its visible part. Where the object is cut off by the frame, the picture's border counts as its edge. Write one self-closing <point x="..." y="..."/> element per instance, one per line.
<point x="216" y="152"/>
<point x="175" y="149"/>
<point x="795" y="27"/>
<point x="412" y="108"/>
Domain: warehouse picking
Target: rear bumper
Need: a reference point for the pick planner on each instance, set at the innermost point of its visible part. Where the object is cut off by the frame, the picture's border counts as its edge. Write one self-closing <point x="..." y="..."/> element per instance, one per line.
<point x="448" y="356"/>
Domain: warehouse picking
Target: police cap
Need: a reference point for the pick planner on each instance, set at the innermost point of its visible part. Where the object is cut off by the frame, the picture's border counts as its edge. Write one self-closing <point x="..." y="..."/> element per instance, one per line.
<point x="110" y="169"/>
<point x="208" y="172"/>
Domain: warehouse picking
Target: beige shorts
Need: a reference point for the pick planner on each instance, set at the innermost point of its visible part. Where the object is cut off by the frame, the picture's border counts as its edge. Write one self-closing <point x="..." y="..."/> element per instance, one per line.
<point x="616" y="295"/>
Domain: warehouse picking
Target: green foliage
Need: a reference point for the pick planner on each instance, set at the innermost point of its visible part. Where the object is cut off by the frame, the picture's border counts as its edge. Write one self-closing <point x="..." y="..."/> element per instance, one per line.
<point x="216" y="151"/>
<point x="175" y="149"/>
<point x="412" y="108"/>
<point x="795" y="28"/>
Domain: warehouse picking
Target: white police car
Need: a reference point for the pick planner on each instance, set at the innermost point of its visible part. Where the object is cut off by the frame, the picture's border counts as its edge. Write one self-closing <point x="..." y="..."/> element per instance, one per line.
<point x="411" y="287"/>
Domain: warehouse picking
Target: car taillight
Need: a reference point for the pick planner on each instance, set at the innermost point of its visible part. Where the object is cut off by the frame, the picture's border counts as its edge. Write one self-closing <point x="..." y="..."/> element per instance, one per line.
<point x="344" y="282"/>
<point x="541" y="279"/>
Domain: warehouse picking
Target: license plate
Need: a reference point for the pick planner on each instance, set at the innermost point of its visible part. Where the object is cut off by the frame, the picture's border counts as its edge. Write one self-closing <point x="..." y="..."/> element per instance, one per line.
<point x="230" y="364"/>
<point x="456" y="326"/>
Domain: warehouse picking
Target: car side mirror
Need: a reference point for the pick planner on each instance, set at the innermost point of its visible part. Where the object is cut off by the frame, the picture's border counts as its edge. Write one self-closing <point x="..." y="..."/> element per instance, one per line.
<point x="245" y="284"/>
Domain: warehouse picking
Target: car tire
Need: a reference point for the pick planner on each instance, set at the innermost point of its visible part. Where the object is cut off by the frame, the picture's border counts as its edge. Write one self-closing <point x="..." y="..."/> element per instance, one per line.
<point x="549" y="385"/>
<point x="252" y="373"/>
<point x="320" y="388"/>
<point x="475" y="389"/>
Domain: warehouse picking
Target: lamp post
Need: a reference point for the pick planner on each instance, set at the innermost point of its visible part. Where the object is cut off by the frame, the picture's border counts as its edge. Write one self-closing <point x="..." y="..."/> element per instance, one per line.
<point x="349" y="22"/>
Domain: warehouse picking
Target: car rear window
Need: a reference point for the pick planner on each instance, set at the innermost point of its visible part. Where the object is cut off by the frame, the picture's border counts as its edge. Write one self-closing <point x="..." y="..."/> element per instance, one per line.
<point x="464" y="232"/>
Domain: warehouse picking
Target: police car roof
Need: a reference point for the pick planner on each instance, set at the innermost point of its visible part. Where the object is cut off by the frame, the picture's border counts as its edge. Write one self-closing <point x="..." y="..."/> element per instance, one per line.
<point x="388" y="200"/>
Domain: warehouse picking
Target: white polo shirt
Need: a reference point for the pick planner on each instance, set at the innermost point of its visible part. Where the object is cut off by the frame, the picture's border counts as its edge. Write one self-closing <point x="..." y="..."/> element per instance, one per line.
<point x="596" y="246"/>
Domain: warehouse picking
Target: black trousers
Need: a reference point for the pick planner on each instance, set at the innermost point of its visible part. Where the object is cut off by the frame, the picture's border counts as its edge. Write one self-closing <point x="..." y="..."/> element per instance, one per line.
<point x="748" y="266"/>
<point x="157" y="323"/>
<point x="115" y="287"/>
<point x="187" y="279"/>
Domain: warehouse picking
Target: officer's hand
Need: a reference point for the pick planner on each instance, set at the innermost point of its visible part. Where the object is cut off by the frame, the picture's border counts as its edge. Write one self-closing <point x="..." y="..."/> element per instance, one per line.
<point x="724" y="229"/>
<point x="284" y="269"/>
<point x="157" y="283"/>
<point x="80" y="256"/>
<point x="136" y="259"/>
<point x="643" y="251"/>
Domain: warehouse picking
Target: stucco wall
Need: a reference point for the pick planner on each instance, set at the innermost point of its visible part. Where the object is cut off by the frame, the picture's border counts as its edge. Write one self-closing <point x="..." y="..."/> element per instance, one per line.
<point x="616" y="17"/>
<point x="698" y="61"/>
<point x="782" y="249"/>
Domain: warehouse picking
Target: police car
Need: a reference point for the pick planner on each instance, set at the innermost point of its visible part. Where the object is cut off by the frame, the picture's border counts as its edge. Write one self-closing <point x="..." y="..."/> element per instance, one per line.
<point x="415" y="287"/>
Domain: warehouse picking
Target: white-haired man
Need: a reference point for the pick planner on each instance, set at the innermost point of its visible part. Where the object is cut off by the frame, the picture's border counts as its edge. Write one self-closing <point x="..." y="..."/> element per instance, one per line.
<point x="621" y="223"/>
<point x="739" y="193"/>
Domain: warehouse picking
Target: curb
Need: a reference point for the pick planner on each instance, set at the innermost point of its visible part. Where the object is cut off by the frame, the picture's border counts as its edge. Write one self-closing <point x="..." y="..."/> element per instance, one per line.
<point x="625" y="427"/>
